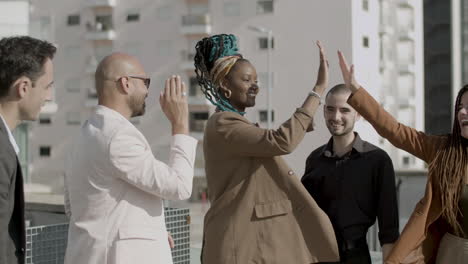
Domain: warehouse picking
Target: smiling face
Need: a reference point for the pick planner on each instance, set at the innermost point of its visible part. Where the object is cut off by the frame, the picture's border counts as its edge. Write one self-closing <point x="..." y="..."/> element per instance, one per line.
<point x="242" y="82"/>
<point x="462" y="115"/>
<point x="339" y="115"/>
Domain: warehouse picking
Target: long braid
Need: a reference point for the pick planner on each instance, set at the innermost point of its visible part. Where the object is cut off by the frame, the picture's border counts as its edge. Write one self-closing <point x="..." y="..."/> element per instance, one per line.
<point x="208" y="50"/>
<point x="451" y="168"/>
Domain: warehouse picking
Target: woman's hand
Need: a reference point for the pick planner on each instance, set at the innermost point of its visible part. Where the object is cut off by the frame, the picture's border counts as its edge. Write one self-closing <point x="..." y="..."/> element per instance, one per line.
<point x="348" y="73"/>
<point x="322" y="76"/>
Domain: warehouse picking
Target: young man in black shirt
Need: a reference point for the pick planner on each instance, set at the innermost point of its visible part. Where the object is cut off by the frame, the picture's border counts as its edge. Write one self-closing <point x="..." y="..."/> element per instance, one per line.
<point x="353" y="181"/>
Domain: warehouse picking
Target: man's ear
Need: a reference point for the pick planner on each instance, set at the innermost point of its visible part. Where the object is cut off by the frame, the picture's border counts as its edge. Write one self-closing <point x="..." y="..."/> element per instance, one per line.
<point x="124" y="85"/>
<point x="20" y="87"/>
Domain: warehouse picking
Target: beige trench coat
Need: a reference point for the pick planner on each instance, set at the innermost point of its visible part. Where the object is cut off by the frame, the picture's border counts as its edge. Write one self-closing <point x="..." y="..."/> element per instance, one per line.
<point x="260" y="212"/>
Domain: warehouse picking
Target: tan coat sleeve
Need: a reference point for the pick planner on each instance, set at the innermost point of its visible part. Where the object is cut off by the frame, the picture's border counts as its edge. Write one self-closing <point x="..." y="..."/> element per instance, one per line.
<point x="403" y="137"/>
<point x="246" y="139"/>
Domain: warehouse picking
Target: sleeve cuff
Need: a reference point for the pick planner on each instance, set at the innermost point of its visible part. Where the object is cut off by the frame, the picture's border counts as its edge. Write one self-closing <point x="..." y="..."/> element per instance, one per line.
<point x="389" y="236"/>
<point x="182" y="139"/>
<point x="306" y="118"/>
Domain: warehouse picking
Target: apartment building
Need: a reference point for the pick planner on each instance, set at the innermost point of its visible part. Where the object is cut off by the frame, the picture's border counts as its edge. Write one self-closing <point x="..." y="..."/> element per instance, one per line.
<point x="162" y="34"/>
<point x="402" y="70"/>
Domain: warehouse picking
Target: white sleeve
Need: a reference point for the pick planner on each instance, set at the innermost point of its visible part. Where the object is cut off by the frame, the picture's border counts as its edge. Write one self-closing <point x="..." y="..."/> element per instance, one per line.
<point x="134" y="162"/>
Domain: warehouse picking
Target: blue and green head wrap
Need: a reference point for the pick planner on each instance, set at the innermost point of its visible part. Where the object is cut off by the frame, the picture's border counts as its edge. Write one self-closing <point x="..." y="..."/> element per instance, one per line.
<point x="214" y="58"/>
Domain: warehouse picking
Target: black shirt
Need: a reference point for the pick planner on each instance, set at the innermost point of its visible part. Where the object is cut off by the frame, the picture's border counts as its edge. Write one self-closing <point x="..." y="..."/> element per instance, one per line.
<point x="354" y="189"/>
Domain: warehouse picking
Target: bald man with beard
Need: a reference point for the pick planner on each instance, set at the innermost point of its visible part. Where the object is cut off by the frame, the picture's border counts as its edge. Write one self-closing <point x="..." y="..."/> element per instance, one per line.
<point x="114" y="186"/>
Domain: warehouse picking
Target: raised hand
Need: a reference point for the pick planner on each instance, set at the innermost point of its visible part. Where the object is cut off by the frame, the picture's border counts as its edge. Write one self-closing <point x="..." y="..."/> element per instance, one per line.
<point x="174" y="105"/>
<point x="322" y="76"/>
<point x="348" y="73"/>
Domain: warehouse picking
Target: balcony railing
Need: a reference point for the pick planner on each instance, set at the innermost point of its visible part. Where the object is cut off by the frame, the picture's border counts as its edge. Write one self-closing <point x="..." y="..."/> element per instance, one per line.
<point x="47" y="244"/>
<point x="101" y="3"/>
<point x="103" y="29"/>
<point x="407" y="68"/>
<point x="196" y="24"/>
<point x="49" y="108"/>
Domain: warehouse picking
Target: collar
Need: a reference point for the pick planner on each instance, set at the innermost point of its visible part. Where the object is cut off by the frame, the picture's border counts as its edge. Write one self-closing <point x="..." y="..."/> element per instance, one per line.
<point x="104" y="110"/>
<point x="358" y="147"/>
<point x="10" y="136"/>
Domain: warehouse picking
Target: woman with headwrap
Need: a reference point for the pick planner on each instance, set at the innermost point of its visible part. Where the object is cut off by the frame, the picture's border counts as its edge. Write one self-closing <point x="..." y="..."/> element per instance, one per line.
<point x="437" y="231"/>
<point x="260" y="212"/>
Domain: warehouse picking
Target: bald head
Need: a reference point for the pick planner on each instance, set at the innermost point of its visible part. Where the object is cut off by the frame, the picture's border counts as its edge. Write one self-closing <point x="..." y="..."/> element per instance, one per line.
<point x="113" y="67"/>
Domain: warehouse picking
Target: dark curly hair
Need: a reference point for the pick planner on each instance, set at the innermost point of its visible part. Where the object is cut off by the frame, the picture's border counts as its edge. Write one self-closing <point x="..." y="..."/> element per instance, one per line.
<point x="22" y="56"/>
<point x="208" y="50"/>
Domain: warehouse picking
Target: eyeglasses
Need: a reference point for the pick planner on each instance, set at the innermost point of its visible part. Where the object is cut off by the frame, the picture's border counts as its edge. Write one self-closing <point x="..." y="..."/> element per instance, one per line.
<point x="146" y="81"/>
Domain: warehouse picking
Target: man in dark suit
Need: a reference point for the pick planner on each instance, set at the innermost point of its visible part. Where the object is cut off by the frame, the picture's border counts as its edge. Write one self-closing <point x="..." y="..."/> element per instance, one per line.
<point x="26" y="78"/>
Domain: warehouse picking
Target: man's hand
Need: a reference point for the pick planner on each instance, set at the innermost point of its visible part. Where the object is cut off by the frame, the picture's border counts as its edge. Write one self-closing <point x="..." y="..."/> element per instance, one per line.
<point x="348" y="73"/>
<point x="322" y="76"/>
<point x="170" y="240"/>
<point x="174" y="105"/>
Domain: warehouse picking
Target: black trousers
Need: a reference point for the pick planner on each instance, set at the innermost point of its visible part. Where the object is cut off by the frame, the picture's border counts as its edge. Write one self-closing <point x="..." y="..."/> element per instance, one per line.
<point x="357" y="255"/>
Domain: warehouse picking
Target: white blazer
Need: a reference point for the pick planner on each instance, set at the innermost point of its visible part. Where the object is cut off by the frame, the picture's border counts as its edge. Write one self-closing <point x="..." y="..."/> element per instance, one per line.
<point x="114" y="188"/>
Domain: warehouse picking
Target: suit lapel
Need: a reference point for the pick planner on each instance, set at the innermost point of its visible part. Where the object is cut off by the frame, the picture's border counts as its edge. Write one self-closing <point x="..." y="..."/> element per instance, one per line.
<point x="4" y="133"/>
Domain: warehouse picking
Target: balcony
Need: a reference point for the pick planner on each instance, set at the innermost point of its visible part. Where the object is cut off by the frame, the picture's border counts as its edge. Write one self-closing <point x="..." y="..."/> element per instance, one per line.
<point x="405" y="34"/>
<point x="102" y="29"/>
<point x="405" y="3"/>
<point x="385" y="29"/>
<point x="101" y="3"/>
<point x="101" y="35"/>
<point x="49" y="108"/>
<point x="406" y="68"/>
<point x="92" y="99"/>
<point x="196" y="24"/>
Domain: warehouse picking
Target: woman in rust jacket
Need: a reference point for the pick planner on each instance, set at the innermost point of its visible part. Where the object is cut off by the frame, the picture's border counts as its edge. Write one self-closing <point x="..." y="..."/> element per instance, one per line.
<point x="260" y="212"/>
<point x="437" y="231"/>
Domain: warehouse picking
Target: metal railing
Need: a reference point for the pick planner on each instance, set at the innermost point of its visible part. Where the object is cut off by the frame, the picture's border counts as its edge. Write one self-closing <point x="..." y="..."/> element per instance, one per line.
<point x="47" y="244"/>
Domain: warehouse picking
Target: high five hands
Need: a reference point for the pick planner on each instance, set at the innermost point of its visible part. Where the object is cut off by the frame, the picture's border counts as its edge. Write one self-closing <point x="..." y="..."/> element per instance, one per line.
<point x="322" y="76"/>
<point x="348" y="73"/>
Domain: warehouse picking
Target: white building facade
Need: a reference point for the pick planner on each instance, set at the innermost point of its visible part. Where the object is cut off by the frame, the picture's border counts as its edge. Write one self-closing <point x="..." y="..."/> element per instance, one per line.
<point x="162" y="34"/>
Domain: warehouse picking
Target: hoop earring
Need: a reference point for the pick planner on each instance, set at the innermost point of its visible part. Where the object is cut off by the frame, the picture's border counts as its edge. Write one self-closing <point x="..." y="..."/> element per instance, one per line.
<point x="228" y="94"/>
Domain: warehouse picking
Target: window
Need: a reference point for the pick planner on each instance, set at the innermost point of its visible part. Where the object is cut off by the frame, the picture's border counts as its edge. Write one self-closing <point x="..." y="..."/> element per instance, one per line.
<point x="194" y="87"/>
<point x="73" y="118"/>
<point x="104" y="23"/>
<point x="263" y="43"/>
<point x="45" y="151"/>
<point x="365" y="5"/>
<point x="263" y="115"/>
<point x="264" y="6"/>
<point x="197" y="121"/>
<point x="45" y="120"/>
<point x="365" y="42"/>
<point x="133" y="16"/>
<point x="232" y="9"/>
<point x="73" y="20"/>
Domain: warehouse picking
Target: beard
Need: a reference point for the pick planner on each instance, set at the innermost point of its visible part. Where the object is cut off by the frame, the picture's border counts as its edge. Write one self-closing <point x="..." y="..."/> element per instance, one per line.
<point x="137" y="105"/>
<point x="345" y="131"/>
